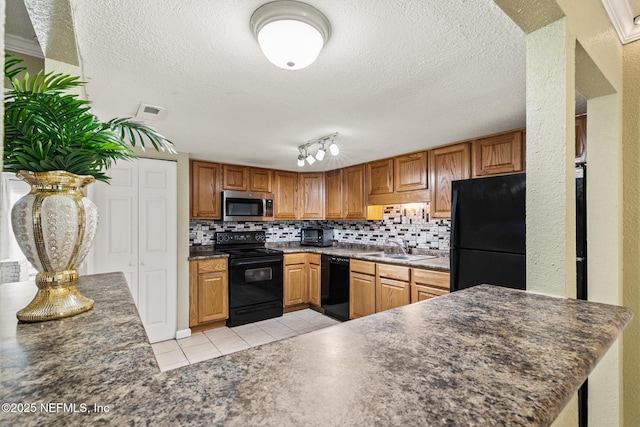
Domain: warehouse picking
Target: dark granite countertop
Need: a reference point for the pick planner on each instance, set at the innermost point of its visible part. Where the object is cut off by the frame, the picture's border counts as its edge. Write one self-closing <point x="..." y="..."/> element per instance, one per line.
<point x="363" y="252"/>
<point x="482" y="356"/>
<point x="205" y="252"/>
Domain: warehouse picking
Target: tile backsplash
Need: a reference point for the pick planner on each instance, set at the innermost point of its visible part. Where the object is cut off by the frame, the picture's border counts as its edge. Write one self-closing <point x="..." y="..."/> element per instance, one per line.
<point x="399" y="222"/>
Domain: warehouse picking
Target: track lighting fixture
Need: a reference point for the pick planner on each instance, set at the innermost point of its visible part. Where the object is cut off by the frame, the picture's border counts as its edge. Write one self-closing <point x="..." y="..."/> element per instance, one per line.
<point x="304" y="154"/>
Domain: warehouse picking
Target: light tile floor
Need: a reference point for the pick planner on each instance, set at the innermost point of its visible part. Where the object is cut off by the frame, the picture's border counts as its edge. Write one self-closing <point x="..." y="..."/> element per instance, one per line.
<point x="217" y="342"/>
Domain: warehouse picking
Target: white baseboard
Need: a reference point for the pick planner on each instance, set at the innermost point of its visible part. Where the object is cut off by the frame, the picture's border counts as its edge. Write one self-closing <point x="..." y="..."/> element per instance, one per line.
<point x="183" y="333"/>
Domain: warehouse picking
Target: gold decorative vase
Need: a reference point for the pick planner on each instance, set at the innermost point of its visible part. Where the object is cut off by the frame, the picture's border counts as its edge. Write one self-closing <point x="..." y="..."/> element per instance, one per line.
<point x="55" y="225"/>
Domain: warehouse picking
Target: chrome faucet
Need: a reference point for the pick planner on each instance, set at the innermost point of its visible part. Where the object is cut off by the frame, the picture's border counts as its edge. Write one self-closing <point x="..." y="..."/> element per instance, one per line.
<point x="400" y="245"/>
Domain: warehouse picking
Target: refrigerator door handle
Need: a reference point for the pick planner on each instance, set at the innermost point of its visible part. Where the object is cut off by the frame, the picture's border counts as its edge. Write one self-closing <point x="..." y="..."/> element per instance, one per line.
<point x="453" y="242"/>
<point x="454" y="219"/>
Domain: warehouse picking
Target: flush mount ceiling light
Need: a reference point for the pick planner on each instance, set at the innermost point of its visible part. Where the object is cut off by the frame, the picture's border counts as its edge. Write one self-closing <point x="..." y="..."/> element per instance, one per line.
<point x="304" y="154"/>
<point x="291" y="34"/>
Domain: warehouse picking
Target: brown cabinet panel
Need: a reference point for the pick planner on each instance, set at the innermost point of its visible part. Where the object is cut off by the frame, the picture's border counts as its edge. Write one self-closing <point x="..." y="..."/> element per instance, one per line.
<point x="354" y="197"/>
<point x="294" y="284"/>
<point x="391" y="294"/>
<point x="447" y="164"/>
<point x="581" y="139"/>
<point x="208" y="291"/>
<point x="212" y="297"/>
<point x="380" y="177"/>
<point x="421" y="292"/>
<point x="498" y="155"/>
<point x="411" y="172"/>
<point x="260" y="180"/>
<point x="439" y="279"/>
<point x="205" y="186"/>
<point x="333" y="194"/>
<point x="286" y="195"/>
<point x="313" y="263"/>
<point x="364" y="267"/>
<point x="362" y="295"/>
<point x="295" y="258"/>
<point x="396" y="272"/>
<point x="235" y="177"/>
<point x="311" y="187"/>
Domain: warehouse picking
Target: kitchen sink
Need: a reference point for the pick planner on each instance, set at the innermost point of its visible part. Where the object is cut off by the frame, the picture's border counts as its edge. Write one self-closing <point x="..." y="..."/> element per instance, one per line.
<point x="401" y="256"/>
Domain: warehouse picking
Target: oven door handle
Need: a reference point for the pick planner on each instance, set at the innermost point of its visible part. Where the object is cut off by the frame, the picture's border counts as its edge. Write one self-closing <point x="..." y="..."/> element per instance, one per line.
<point x="255" y="261"/>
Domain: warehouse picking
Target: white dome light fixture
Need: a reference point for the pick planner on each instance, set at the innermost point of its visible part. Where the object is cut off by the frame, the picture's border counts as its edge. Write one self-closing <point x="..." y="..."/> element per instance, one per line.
<point x="291" y="34"/>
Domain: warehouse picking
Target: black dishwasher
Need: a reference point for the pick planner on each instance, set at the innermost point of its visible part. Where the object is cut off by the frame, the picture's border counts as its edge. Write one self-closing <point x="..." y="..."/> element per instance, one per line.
<point x="335" y="286"/>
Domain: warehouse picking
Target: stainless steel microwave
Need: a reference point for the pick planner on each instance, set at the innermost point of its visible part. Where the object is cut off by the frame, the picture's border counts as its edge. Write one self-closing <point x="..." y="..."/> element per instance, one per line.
<point x="247" y="206"/>
<point x="316" y="237"/>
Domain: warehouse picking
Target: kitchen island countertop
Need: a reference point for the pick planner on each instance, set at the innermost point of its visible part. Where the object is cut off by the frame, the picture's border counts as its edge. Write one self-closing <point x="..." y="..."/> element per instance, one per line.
<point x="481" y="356"/>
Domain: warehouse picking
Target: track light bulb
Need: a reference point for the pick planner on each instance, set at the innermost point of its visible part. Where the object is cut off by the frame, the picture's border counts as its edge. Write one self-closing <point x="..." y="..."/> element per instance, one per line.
<point x="300" y="160"/>
<point x="310" y="159"/>
<point x="333" y="147"/>
<point x="320" y="154"/>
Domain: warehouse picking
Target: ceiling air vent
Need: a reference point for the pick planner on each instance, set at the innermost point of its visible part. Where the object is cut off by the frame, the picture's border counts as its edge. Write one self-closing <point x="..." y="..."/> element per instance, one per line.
<point x="150" y="112"/>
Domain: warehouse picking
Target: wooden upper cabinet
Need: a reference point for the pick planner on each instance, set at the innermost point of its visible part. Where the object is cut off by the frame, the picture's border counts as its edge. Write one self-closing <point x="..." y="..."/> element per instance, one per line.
<point x="498" y="155"/>
<point x="353" y="191"/>
<point x="286" y="195"/>
<point x="447" y="164"/>
<point x="205" y="186"/>
<point x="410" y="172"/>
<point x="380" y="177"/>
<point x="260" y="180"/>
<point x="311" y="189"/>
<point x="581" y="139"/>
<point x="333" y="194"/>
<point x="235" y="177"/>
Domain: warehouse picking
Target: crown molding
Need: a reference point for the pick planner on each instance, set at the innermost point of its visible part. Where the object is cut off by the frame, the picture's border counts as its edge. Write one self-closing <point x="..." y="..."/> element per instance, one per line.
<point x="622" y="19"/>
<point x="22" y="45"/>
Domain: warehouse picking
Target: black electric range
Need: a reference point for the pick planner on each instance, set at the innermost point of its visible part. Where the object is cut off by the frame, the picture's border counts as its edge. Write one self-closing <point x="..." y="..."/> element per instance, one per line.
<point x="255" y="276"/>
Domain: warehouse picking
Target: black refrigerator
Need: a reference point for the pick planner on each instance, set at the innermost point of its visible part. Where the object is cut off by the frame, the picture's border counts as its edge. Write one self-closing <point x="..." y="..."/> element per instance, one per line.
<point x="488" y="232"/>
<point x="488" y="239"/>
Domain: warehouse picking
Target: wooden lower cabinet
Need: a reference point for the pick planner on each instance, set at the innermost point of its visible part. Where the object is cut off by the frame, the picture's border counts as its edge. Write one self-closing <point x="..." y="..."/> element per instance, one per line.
<point x="208" y="291"/>
<point x="313" y="265"/>
<point x="391" y="294"/>
<point x="392" y="286"/>
<point x="295" y="279"/>
<point x="301" y="279"/>
<point x="362" y="288"/>
<point x="426" y="284"/>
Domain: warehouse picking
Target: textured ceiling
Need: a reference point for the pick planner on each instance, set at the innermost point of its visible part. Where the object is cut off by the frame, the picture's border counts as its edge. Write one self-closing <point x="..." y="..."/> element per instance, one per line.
<point x="635" y="7"/>
<point x="396" y="76"/>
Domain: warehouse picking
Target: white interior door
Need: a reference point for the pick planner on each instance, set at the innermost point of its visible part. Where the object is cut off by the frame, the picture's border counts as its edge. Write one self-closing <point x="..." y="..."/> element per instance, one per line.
<point x="116" y="244"/>
<point x="157" y="251"/>
<point x="137" y="235"/>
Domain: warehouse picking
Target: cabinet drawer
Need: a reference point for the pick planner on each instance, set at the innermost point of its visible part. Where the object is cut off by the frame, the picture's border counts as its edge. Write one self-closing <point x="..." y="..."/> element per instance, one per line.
<point x="365" y="267"/>
<point x="210" y="265"/>
<point x="431" y="278"/>
<point x="313" y="258"/>
<point x="297" y="258"/>
<point x="396" y="272"/>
